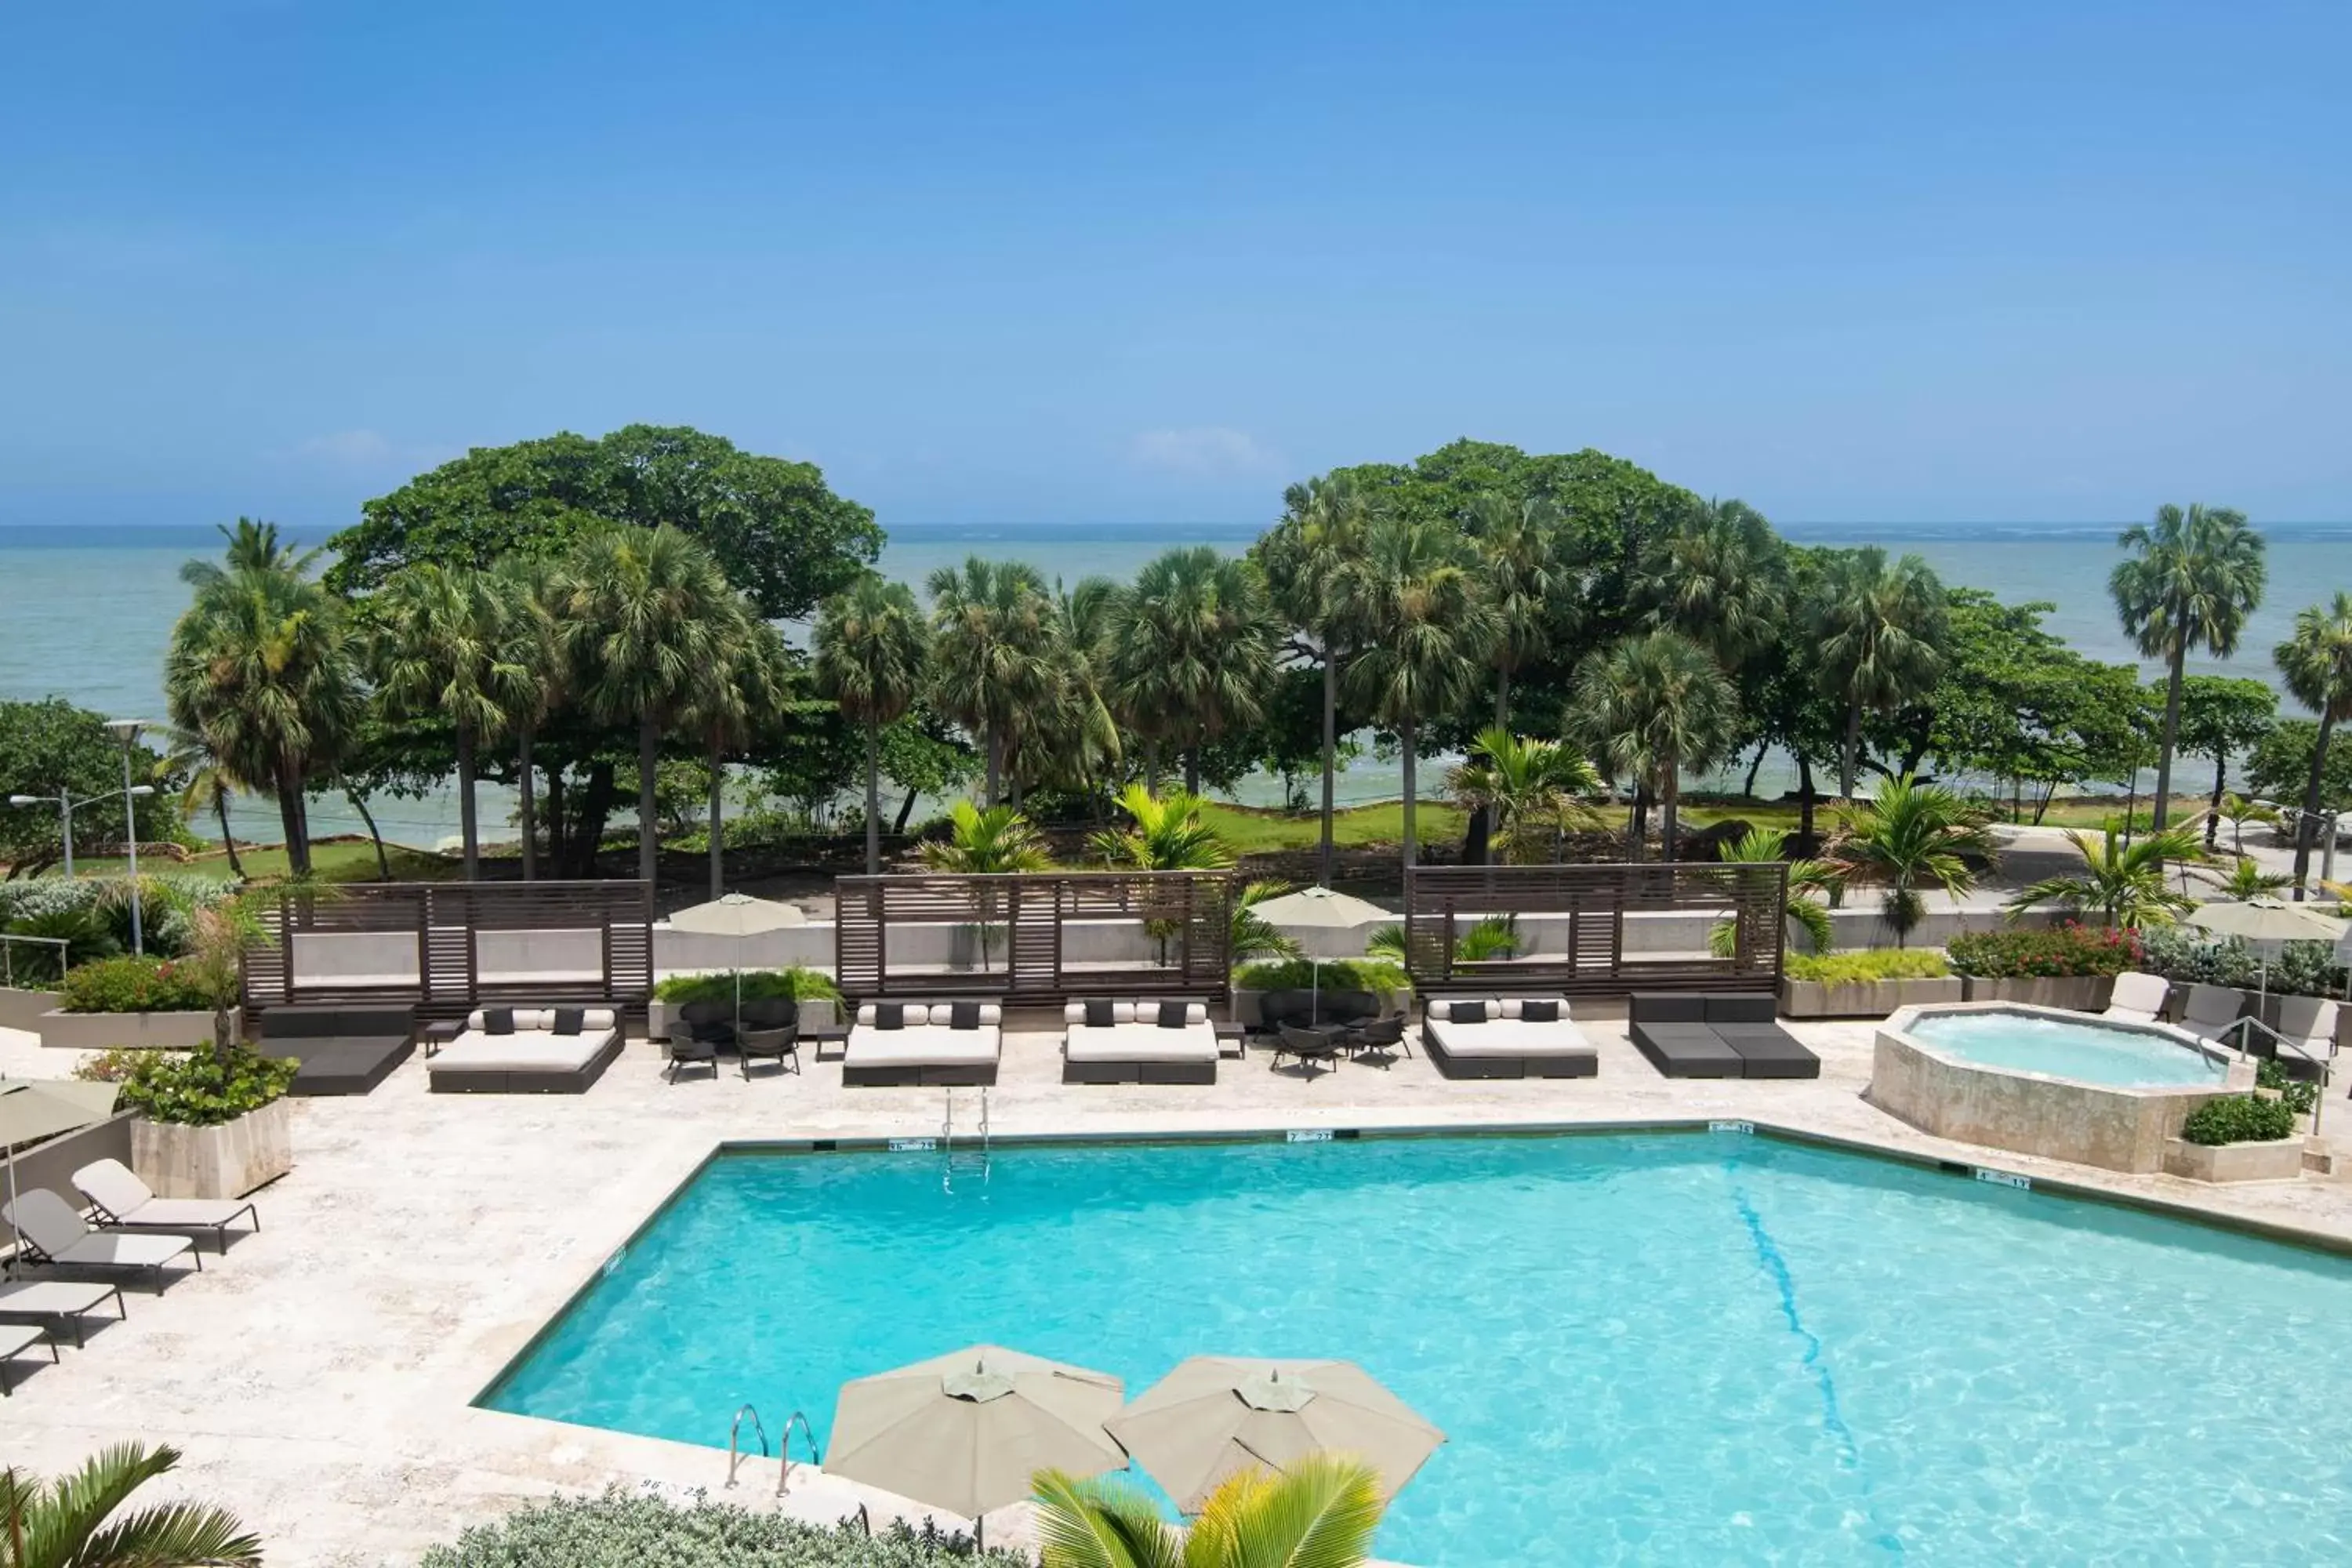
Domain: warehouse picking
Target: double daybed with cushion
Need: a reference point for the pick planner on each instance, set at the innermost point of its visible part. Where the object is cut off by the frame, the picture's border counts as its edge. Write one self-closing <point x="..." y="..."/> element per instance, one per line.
<point x="1138" y="1042"/>
<point x="343" y="1050"/>
<point x="910" y="1042"/>
<point x="1730" y="1034"/>
<point x="1508" y="1036"/>
<point x="527" y="1050"/>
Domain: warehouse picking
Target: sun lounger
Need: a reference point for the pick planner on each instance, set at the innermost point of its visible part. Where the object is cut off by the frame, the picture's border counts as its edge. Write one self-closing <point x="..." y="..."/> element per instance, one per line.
<point x="1747" y="1022"/>
<point x="125" y="1203"/>
<point x="1137" y="1042"/>
<point x="342" y="1051"/>
<point x="912" y="1042"/>
<point x="15" y="1341"/>
<point x="1506" y="1036"/>
<point x="527" y="1050"/>
<point x="1718" y="1035"/>
<point x="2137" y="998"/>
<point x="55" y="1235"/>
<point x="54" y="1303"/>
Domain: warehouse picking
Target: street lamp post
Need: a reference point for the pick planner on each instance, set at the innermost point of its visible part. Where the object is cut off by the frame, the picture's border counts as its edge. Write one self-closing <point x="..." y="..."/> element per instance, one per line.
<point x="64" y="804"/>
<point x="126" y="731"/>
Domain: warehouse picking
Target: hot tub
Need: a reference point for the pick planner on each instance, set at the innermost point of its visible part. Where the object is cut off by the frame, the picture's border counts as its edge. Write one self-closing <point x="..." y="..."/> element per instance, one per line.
<point x="2042" y="1080"/>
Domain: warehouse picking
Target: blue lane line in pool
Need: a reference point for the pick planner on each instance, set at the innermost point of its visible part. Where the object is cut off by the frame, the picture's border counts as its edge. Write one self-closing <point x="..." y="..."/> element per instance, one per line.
<point x="1777" y="1264"/>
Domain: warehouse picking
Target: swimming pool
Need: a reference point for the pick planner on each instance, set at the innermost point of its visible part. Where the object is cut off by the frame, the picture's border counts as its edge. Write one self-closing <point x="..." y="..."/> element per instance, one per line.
<point x="1659" y="1347"/>
<point x="2074" y="1048"/>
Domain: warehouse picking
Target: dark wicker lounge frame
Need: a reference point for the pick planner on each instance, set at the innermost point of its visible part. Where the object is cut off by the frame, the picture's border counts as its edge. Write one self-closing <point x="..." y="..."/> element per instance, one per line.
<point x="1443" y="903"/>
<point x="1580" y="1064"/>
<point x="900" y="1075"/>
<point x="1138" y="1072"/>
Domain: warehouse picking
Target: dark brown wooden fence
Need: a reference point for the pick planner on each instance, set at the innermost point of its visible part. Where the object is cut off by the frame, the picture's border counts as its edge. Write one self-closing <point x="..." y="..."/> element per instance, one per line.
<point x="1022" y="936"/>
<point x="448" y="947"/>
<point x="1595" y="903"/>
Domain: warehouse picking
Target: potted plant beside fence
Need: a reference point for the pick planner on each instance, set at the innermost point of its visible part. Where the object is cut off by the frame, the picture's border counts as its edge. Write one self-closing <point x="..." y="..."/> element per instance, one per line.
<point x="1869" y="983"/>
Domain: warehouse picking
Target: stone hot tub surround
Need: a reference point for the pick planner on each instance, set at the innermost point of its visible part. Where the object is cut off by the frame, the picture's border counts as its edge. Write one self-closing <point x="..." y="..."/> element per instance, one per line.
<point x="2117" y="1128"/>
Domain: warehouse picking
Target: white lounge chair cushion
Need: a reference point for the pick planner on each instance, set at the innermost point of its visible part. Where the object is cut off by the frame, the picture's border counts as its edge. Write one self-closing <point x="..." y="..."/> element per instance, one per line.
<point x="116" y="1188"/>
<point x="525" y="1050"/>
<point x="2308" y="1021"/>
<point x="52" y="1298"/>
<point x="936" y="1015"/>
<point x="1509" y="1037"/>
<point x="50" y="1224"/>
<point x="925" y="1046"/>
<point x="1195" y="1042"/>
<point x="528" y="1018"/>
<point x="16" y="1339"/>
<point x="1441" y="1008"/>
<point x="2137" y="998"/>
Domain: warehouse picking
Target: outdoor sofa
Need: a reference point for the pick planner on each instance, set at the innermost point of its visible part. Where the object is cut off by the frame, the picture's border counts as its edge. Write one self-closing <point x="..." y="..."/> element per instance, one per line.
<point x="57" y="1235"/>
<point x="1718" y="1035"/>
<point x="1506" y="1036"/>
<point x="912" y="1042"/>
<point x="343" y="1050"/>
<point x="527" y="1050"/>
<point x="123" y="1202"/>
<point x="1138" y="1042"/>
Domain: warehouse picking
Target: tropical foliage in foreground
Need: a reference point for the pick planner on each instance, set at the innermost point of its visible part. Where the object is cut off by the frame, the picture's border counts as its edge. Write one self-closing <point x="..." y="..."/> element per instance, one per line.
<point x="620" y="1530"/>
<point x="76" y="1520"/>
<point x="1321" y="1512"/>
<point x="2121" y="880"/>
<point x="1911" y="836"/>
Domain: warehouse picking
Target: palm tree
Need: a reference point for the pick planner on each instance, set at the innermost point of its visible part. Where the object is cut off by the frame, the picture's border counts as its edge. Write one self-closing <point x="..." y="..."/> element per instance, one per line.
<point x="2316" y="662"/>
<point x="871" y="643"/>
<point x="1652" y="706"/>
<point x="644" y="614"/>
<point x="2237" y="811"/>
<point x="1763" y="846"/>
<point x="527" y="588"/>
<point x="69" y="1523"/>
<point x="1530" y="789"/>
<point x="1881" y="638"/>
<point x="1720" y="579"/>
<point x="1167" y="834"/>
<point x="1427" y="631"/>
<point x="992" y="651"/>
<point x="2192" y="579"/>
<point x="1318" y="1511"/>
<point x="1064" y="734"/>
<point x="440" y="647"/>
<point x="983" y="842"/>
<point x="1911" y="833"/>
<point x="209" y="785"/>
<point x="739" y="696"/>
<point x="1252" y="936"/>
<point x="1188" y="653"/>
<point x="1309" y="560"/>
<point x="264" y="666"/>
<point x="2122" y="879"/>
<point x="1520" y="565"/>
<point x="2247" y="880"/>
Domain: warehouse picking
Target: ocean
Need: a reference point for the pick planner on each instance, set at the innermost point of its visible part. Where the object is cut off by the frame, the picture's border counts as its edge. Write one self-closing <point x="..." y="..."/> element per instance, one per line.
<point x="89" y="611"/>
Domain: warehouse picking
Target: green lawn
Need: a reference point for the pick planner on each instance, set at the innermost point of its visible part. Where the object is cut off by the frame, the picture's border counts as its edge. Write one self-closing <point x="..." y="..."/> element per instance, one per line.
<point x="336" y="862"/>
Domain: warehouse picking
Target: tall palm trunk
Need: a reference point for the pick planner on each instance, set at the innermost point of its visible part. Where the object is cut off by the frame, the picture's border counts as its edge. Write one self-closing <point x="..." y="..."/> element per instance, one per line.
<point x="1806" y="841"/>
<point x="1404" y="734"/>
<point x="718" y="827"/>
<point x="1852" y="750"/>
<point x="1193" y="770"/>
<point x="648" y="838"/>
<point x="1503" y="697"/>
<point x="996" y="766"/>
<point x="2171" y="734"/>
<point x="229" y="839"/>
<point x="2309" y="820"/>
<point x="359" y="805"/>
<point x="2213" y="807"/>
<point x="528" y="811"/>
<point x="1324" y="861"/>
<point x="1670" y="807"/>
<point x="467" y="828"/>
<point x="873" y="800"/>
<point x="1634" y="823"/>
<point x="291" y="817"/>
<point x="1486" y="823"/>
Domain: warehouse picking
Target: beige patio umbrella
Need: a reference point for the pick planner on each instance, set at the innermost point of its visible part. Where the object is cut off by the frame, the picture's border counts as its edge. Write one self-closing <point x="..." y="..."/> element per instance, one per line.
<point x="965" y="1432"/>
<point x="34" y="1108"/>
<point x="2264" y="924"/>
<point x="737" y="917"/>
<point x="1215" y="1416"/>
<point x="1319" y="908"/>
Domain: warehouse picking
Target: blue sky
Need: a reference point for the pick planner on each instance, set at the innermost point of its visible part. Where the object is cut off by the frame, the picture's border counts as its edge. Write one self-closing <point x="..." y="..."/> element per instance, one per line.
<point x="1104" y="263"/>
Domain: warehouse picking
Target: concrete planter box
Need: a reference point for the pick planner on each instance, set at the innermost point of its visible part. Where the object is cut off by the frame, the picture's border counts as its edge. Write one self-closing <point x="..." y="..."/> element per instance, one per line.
<point x="2278" y="1160"/>
<point x="132" y="1031"/>
<point x="1862" y="998"/>
<point x="24" y="1009"/>
<point x="224" y="1161"/>
<point x="2075" y="993"/>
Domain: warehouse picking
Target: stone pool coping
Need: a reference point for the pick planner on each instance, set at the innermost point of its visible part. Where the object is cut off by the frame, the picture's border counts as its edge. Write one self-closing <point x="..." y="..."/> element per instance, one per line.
<point x="320" y="1377"/>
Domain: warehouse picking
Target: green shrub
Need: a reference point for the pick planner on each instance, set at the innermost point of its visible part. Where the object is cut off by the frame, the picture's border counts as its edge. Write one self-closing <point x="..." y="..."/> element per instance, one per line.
<point x="759" y="984"/>
<point x="2298" y="1095"/>
<point x="622" y="1531"/>
<point x="2186" y="956"/>
<point x="2061" y="951"/>
<point x="1871" y="964"/>
<point x="198" y="1089"/>
<point x="1331" y="974"/>
<point x="2239" y="1119"/>
<point x="132" y="985"/>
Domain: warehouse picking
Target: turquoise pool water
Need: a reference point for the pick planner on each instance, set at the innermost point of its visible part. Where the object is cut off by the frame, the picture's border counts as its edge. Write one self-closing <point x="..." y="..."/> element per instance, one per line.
<point x="2088" y="1053"/>
<point x="1672" y="1348"/>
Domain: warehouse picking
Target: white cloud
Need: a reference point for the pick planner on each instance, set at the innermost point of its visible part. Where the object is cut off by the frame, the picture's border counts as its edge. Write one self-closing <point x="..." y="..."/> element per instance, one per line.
<point x="1208" y="451"/>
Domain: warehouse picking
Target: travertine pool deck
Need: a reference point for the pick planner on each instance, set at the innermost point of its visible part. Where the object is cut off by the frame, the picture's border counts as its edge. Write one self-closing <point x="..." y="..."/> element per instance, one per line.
<point x="318" y="1377"/>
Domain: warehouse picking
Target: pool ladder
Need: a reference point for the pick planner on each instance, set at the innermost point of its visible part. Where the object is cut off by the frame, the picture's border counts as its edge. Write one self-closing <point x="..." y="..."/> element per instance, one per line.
<point x="783" y="1472"/>
<point x="972" y="1159"/>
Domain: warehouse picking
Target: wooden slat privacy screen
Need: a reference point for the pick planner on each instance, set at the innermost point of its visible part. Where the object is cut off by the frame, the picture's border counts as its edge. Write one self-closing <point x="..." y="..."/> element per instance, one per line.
<point x="1023" y="936"/>
<point x="1591" y="957"/>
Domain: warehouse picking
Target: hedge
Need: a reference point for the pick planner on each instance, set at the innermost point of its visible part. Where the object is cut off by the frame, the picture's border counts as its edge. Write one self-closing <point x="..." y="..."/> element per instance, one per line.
<point x="2060" y="951"/>
<point x="620" y="1530"/>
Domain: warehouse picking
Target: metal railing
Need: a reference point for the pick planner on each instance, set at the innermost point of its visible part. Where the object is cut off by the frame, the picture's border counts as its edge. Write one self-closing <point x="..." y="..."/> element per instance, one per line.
<point x="784" y="1471"/>
<point x="8" y="953"/>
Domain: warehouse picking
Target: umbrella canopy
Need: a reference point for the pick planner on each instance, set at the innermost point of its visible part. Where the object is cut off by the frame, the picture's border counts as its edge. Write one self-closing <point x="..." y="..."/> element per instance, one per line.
<point x="34" y="1108"/>
<point x="1319" y="908"/>
<point x="1215" y="1415"/>
<point x="737" y="914"/>
<point x="966" y="1432"/>
<point x="2266" y="920"/>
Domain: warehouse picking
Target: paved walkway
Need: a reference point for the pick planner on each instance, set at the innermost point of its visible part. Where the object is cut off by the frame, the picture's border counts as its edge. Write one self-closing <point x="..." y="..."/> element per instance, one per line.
<point x="319" y="1377"/>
